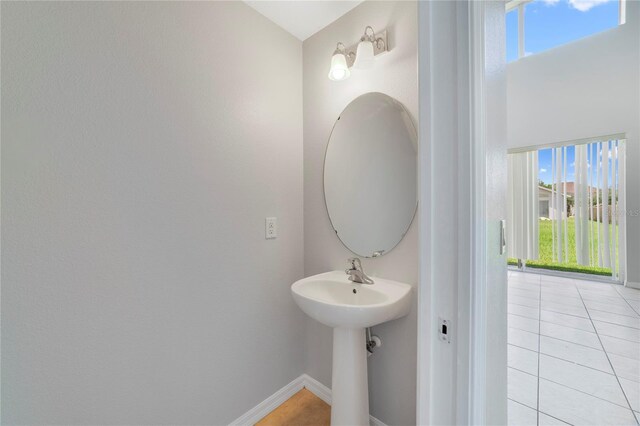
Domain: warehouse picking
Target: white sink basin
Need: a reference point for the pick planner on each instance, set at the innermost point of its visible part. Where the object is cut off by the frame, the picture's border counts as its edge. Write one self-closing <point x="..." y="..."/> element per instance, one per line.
<point x="333" y="300"/>
<point x="349" y="308"/>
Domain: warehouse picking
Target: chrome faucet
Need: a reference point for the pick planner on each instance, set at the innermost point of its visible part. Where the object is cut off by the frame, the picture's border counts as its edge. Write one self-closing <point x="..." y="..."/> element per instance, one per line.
<point x="355" y="272"/>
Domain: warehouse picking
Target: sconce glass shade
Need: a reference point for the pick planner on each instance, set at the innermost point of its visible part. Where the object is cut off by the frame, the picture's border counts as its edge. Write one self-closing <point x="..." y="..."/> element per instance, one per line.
<point x="364" y="55"/>
<point x="339" y="69"/>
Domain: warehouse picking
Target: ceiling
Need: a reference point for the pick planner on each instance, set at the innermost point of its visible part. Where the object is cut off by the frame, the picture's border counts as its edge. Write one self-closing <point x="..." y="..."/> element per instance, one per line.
<point x="303" y="18"/>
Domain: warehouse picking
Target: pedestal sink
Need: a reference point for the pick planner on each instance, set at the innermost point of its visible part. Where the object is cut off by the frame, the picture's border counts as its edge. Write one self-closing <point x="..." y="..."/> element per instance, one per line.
<point x="349" y="308"/>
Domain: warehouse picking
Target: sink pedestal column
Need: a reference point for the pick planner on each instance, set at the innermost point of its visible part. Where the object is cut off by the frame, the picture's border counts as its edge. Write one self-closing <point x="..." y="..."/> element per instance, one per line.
<point x="350" y="391"/>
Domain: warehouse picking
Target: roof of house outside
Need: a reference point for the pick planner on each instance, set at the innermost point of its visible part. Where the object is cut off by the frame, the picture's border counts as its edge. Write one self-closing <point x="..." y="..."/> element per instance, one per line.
<point x="548" y="190"/>
<point x="571" y="188"/>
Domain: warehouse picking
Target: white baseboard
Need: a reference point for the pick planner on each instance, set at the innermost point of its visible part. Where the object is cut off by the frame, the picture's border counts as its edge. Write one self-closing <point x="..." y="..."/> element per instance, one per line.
<point x="317" y="388"/>
<point x="258" y="412"/>
<point x="632" y="284"/>
<point x="375" y="422"/>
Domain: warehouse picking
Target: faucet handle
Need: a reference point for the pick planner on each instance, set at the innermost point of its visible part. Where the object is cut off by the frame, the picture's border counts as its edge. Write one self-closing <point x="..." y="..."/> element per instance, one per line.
<point x="355" y="263"/>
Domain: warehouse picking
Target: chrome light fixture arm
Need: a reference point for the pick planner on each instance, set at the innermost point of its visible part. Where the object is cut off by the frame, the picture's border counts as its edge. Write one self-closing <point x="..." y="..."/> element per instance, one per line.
<point x="379" y="43"/>
<point x="344" y="57"/>
<point x="350" y="55"/>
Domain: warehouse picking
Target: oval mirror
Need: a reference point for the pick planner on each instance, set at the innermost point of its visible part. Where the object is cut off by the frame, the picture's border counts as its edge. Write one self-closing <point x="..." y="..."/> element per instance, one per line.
<point x="370" y="174"/>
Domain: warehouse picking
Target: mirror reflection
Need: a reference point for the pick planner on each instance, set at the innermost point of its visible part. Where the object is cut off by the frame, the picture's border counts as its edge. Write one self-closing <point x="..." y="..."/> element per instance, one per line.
<point x="370" y="174"/>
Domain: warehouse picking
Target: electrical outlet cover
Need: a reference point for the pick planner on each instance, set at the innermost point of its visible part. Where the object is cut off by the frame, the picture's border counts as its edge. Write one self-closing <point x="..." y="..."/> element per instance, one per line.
<point x="270" y="228"/>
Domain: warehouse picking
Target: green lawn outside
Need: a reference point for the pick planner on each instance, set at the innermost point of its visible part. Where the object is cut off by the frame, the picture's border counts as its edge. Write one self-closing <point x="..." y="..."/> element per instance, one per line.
<point x="545" y="251"/>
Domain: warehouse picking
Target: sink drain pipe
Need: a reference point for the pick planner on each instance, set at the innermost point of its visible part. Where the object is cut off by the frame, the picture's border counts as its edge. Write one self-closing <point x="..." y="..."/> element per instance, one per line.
<point x="373" y="342"/>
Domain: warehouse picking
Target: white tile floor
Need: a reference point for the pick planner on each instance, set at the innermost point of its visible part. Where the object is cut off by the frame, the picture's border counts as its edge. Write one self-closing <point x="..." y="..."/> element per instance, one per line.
<point x="574" y="352"/>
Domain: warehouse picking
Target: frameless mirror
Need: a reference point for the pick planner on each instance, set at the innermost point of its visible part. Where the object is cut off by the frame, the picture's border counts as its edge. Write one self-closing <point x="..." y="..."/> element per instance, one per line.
<point x="370" y="174"/>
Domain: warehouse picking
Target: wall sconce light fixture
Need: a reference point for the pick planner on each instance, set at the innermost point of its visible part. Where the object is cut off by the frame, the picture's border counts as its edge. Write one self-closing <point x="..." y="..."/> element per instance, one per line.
<point x="370" y="45"/>
<point x="339" y="64"/>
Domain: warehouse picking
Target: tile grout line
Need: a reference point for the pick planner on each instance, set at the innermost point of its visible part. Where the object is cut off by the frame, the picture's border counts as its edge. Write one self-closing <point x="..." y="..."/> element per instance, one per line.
<point x="619" y="325"/>
<point x="630" y="305"/>
<point x="526" y="306"/>
<point x="609" y="300"/>
<point x="521" y="347"/>
<point x="584" y="393"/>
<point x="518" y="315"/>
<point x="574" y="328"/>
<point x="614" y="323"/>
<point x="578" y="344"/>
<point x="595" y="331"/>
<point x="611" y="364"/>
<point x="563" y="313"/>
<point x="562" y="359"/>
<point x="546" y="414"/>
<point x="522" y="371"/>
<point x="520" y="403"/>
<point x="615" y="313"/>
<point x="634" y="315"/>
<point x="554" y="417"/>
<point x="576" y="316"/>
<point x="566" y="386"/>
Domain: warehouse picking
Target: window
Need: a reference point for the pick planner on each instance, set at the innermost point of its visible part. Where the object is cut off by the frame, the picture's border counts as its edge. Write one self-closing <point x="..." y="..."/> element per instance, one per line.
<point x="534" y="26"/>
<point x="512" y="35"/>
<point x="566" y="208"/>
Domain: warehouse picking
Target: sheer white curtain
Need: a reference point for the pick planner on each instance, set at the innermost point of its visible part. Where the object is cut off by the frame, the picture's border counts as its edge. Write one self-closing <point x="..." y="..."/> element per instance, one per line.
<point x="582" y="205"/>
<point x="606" y="191"/>
<point x="559" y="205"/>
<point x="597" y="192"/>
<point x="598" y="195"/>
<point x="522" y="199"/>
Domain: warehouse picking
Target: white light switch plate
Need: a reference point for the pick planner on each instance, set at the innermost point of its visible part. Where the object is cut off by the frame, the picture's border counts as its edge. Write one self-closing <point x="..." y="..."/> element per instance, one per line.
<point x="270" y="228"/>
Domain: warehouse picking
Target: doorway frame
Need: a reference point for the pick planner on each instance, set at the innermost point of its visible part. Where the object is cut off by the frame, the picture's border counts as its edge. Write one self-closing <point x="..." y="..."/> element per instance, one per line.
<point x="461" y="92"/>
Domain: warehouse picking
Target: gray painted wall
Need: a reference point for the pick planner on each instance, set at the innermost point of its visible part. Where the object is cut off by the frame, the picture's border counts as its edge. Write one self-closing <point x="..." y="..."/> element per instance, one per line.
<point x="143" y="144"/>
<point x="392" y="370"/>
